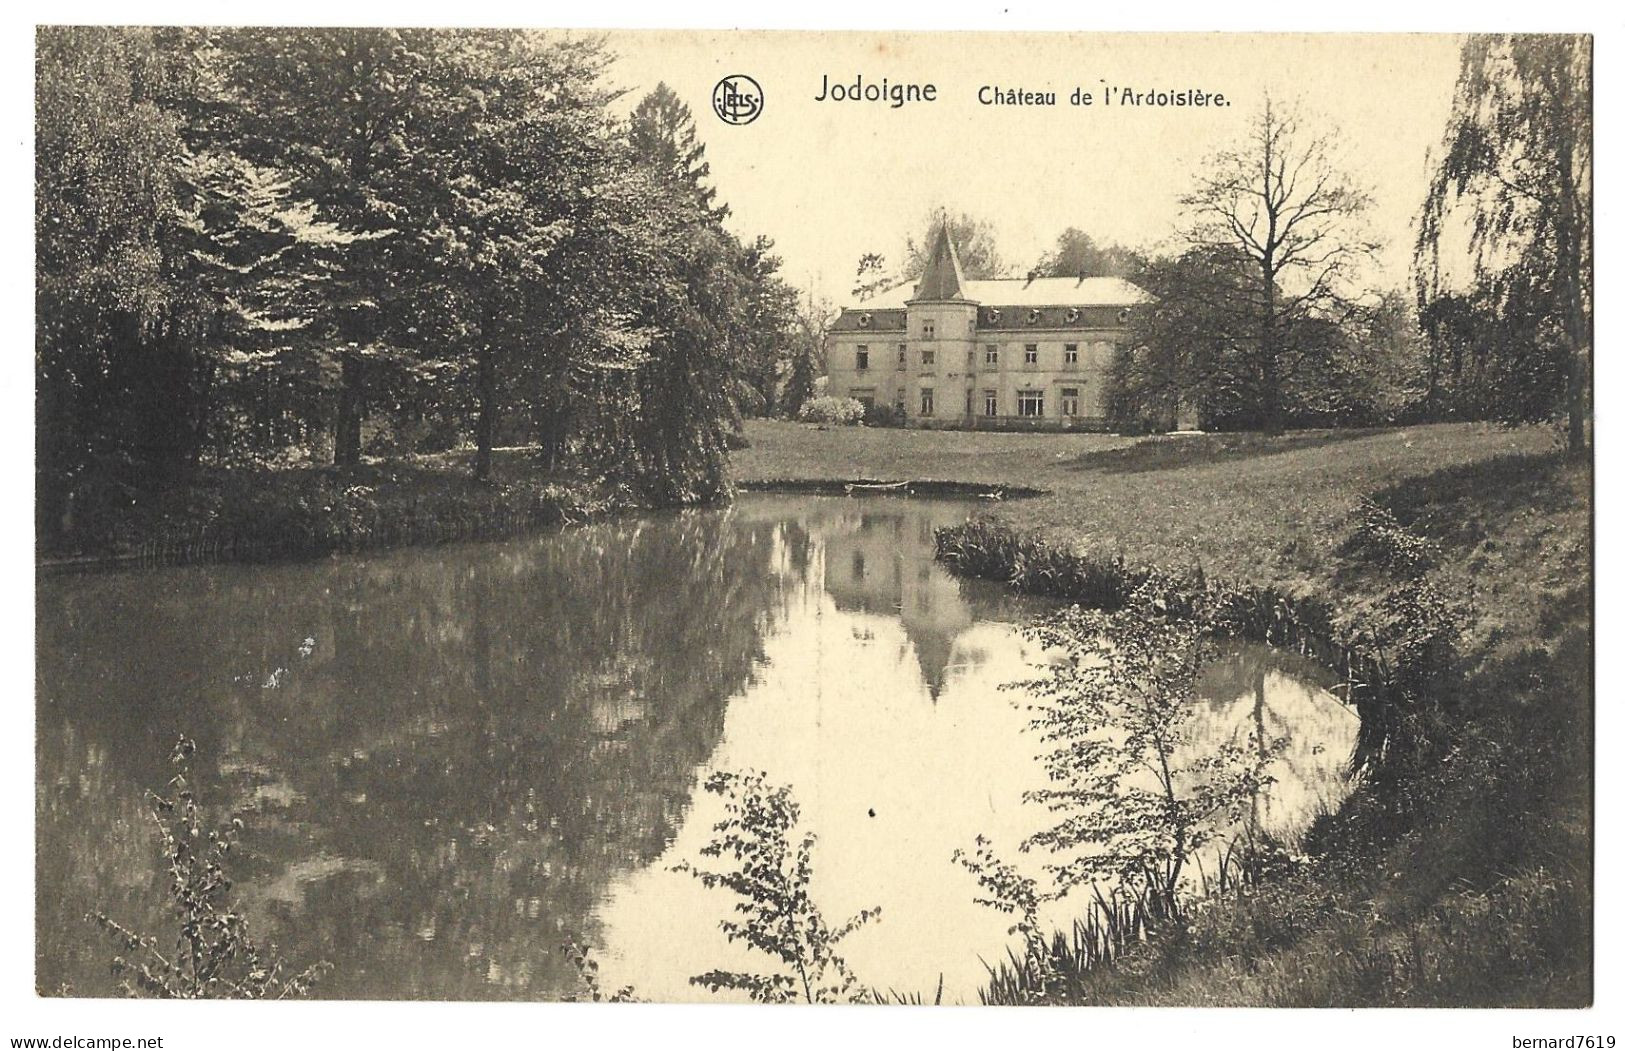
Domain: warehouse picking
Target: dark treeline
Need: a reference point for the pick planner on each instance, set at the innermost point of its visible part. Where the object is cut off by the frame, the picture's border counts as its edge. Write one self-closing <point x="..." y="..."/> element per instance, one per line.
<point x="264" y="247"/>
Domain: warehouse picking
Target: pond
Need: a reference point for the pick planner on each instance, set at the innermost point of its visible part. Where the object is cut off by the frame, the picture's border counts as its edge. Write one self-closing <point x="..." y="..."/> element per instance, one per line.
<point x="450" y="760"/>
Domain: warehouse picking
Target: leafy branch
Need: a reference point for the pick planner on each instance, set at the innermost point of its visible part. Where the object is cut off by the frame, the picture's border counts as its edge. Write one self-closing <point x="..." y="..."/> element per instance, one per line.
<point x="214" y="955"/>
<point x="772" y="878"/>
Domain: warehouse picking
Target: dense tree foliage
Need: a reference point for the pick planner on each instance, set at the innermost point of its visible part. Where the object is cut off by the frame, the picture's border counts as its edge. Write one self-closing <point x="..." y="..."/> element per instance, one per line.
<point x="1511" y="337"/>
<point x="1076" y="254"/>
<point x="117" y="214"/>
<point x="1192" y="346"/>
<point x="774" y="340"/>
<point x="1182" y="344"/>
<point x="306" y="245"/>
<point x="973" y="239"/>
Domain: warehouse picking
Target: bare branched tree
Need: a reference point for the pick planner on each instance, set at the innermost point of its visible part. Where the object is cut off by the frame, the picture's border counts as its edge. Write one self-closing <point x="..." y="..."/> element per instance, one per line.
<point x="1280" y="198"/>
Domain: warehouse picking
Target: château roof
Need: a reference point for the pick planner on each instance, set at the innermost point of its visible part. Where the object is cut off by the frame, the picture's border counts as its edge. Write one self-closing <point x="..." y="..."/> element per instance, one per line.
<point x="1018" y="292"/>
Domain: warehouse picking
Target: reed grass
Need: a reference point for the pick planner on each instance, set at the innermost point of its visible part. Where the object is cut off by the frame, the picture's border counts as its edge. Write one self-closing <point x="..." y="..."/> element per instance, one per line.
<point x="1116" y="923"/>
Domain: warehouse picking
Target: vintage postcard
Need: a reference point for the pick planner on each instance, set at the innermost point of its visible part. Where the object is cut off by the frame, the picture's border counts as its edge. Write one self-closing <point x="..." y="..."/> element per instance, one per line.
<point x="836" y="518"/>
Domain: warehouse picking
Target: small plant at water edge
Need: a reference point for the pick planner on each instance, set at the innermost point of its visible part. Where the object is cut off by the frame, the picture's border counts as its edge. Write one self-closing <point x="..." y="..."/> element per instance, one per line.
<point x="1134" y="804"/>
<point x="772" y="878"/>
<point x="213" y="954"/>
<point x="588" y="980"/>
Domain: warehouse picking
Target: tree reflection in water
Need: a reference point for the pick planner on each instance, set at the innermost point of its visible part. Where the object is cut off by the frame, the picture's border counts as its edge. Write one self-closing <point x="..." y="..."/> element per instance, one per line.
<point x="441" y="779"/>
<point x="450" y="760"/>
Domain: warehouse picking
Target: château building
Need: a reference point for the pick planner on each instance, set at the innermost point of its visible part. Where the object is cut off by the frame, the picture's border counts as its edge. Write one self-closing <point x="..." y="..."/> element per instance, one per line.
<point x="1011" y="353"/>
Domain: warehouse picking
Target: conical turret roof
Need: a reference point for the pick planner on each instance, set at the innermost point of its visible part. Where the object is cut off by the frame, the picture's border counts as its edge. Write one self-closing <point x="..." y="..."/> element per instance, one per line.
<point x="943" y="279"/>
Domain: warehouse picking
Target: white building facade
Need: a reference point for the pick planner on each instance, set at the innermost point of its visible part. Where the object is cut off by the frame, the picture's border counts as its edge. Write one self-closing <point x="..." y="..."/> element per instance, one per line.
<point x="1006" y="354"/>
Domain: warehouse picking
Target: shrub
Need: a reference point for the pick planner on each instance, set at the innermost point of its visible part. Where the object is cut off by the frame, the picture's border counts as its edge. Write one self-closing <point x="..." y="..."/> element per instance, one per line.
<point x="884" y="416"/>
<point x="214" y="956"/>
<point x="1379" y="538"/>
<point x="826" y="409"/>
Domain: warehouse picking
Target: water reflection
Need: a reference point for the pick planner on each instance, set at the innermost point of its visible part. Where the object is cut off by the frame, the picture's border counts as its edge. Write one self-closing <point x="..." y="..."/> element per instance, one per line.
<point x="449" y="758"/>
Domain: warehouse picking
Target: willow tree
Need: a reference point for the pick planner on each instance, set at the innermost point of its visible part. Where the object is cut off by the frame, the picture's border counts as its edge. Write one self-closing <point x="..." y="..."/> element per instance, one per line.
<point x="162" y="262"/>
<point x="1514" y="179"/>
<point x="1279" y="198"/>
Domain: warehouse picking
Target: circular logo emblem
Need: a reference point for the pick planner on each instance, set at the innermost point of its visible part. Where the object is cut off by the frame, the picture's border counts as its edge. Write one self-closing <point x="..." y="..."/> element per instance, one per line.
<point x="737" y="99"/>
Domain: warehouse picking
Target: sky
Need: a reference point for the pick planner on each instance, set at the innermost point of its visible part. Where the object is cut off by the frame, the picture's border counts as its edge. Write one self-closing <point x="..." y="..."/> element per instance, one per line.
<point x="829" y="181"/>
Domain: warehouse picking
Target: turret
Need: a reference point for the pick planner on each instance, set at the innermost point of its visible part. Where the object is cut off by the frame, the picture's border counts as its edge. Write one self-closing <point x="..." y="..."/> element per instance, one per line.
<point x="941" y="324"/>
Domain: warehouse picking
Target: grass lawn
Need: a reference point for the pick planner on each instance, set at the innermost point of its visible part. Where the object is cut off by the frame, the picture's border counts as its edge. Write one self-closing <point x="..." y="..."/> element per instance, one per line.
<point x="1482" y="895"/>
<point x="1510" y="514"/>
<point x="1268" y="510"/>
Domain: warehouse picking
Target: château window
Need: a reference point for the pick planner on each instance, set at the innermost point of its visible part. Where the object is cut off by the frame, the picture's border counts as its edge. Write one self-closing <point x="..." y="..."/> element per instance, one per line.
<point x="1069" y="401"/>
<point x="1070" y="354"/>
<point x="928" y="401"/>
<point x="970" y="399"/>
<point x="902" y="356"/>
<point x="990" y="354"/>
<point x="1030" y="403"/>
<point x="863" y="357"/>
<point x="928" y="329"/>
<point x="928" y="357"/>
<point x="990" y="403"/>
<point x="1032" y="354"/>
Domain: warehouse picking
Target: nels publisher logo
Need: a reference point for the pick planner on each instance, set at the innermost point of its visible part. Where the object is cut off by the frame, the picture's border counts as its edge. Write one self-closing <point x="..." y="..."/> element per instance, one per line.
<point x="737" y="99"/>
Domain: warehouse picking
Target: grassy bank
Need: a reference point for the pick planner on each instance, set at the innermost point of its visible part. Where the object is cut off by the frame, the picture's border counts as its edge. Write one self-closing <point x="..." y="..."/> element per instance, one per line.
<point x="1460" y="873"/>
<point x="261" y="513"/>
